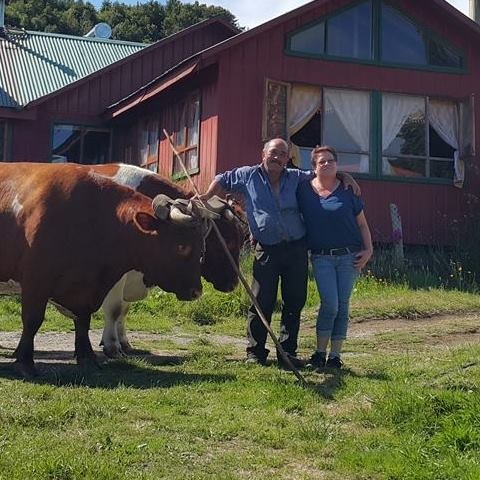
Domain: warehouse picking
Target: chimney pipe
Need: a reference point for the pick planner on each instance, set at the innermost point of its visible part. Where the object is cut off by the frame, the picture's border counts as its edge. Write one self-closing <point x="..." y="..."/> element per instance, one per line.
<point x="475" y="10"/>
<point x="2" y="14"/>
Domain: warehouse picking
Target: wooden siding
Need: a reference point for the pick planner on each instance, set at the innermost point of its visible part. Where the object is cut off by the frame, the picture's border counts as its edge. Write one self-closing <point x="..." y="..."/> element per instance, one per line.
<point x="427" y="210"/>
<point x="93" y="96"/>
<point x="126" y="130"/>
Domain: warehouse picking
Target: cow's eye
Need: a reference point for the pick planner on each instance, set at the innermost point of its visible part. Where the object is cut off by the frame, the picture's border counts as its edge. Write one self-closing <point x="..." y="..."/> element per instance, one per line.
<point x="184" y="250"/>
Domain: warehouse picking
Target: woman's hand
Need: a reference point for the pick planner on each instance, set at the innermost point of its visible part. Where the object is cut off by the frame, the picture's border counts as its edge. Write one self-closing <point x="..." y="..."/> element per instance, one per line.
<point x="361" y="258"/>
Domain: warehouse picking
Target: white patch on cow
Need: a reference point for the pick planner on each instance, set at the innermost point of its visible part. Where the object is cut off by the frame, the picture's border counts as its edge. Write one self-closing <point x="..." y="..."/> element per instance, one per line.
<point x="131" y="175"/>
<point x="17" y="207"/>
<point x="10" y="288"/>
<point x="129" y="288"/>
<point x="134" y="289"/>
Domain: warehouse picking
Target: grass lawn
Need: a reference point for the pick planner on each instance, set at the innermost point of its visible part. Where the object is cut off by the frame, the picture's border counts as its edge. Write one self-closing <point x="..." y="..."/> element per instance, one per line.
<point x="407" y="405"/>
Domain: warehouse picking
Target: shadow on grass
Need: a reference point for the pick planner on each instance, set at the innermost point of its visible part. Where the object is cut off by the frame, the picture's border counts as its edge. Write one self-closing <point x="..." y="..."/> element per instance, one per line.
<point x="57" y="368"/>
<point x="332" y="380"/>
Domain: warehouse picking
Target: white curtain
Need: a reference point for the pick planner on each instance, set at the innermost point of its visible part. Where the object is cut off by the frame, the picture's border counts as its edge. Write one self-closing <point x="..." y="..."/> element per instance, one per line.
<point x="444" y="118"/>
<point x="353" y="110"/>
<point x="304" y="102"/>
<point x="395" y="111"/>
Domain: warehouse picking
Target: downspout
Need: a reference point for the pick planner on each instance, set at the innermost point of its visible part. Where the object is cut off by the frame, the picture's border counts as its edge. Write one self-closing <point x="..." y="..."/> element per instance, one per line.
<point x="474" y="10"/>
<point x="2" y="15"/>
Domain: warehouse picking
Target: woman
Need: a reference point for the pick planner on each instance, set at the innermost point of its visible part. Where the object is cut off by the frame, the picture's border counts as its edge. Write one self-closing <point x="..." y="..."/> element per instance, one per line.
<point x="340" y="245"/>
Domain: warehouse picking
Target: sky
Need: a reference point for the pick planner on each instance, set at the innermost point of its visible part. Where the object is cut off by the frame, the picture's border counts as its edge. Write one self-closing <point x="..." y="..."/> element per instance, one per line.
<point x="251" y="13"/>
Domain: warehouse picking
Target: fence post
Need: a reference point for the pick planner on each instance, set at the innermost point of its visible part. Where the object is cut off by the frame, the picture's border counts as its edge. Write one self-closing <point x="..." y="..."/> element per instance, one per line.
<point x="397" y="236"/>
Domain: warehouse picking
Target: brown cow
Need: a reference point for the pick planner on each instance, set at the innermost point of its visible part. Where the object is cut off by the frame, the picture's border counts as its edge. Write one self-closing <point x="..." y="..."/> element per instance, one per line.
<point x="68" y="235"/>
<point x="216" y="267"/>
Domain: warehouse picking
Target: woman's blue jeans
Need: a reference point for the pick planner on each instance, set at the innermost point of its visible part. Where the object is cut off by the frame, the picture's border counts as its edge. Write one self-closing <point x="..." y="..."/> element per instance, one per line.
<point x="335" y="277"/>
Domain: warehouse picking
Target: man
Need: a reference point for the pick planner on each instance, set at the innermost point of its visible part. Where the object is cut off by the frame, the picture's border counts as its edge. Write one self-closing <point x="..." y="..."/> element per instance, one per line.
<point x="278" y="231"/>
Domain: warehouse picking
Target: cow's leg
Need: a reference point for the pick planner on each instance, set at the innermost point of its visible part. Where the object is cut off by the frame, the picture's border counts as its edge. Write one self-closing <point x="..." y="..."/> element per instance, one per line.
<point x="33" y="314"/>
<point x="121" y="330"/>
<point x="83" y="348"/>
<point x="112" y="310"/>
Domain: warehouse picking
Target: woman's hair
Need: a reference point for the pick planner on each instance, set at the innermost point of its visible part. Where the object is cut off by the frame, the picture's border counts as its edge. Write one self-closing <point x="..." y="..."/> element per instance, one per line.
<point x="320" y="149"/>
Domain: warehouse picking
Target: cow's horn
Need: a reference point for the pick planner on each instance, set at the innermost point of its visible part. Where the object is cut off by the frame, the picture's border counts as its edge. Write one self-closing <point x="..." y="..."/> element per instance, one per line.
<point x="161" y="206"/>
<point x="177" y="216"/>
<point x="228" y="214"/>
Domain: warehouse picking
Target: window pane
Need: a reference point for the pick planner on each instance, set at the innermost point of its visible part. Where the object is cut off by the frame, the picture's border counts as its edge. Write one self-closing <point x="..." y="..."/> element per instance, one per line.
<point x="66" y="143"/>
<point x="192" y="159"/>
<point x="353" y="162"/>
<point x="180" y="133"/>
<point x="193" y="122"/>
<point x="96" y="146"/>
<point x="401" y="40"/>
<point x="143" y="143"/>
<point x="305" y="163"/>
<point x="311" y="40"/>
<point x="438" y="147"/>
<point x="177" y="168"/>
<point x="153" y="138"/>
<point x="346" y="120"/>
<point x="350" y="33"/>
<point x="410" y="139"/>
<point x="443" y="55"/>
<point x="467" y="127"/>
<point x="310" y="135"/>
<point x="441" y="169"/>
<point x="404" y="167"/>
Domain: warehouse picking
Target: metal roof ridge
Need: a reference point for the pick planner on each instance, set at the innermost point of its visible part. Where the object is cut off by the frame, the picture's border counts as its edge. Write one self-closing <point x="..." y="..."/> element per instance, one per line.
<point x="87" y="39"/>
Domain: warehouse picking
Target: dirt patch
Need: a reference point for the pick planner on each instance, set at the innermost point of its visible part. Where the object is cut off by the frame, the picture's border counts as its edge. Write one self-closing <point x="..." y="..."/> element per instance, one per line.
<point x="446" y="330"/>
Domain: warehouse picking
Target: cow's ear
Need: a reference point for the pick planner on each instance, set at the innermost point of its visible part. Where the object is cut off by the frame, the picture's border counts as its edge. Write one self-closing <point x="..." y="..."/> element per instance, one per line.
<point x="146" y="223"/>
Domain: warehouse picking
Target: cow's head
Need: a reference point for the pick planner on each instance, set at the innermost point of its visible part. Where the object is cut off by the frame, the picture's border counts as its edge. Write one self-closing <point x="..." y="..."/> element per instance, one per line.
<point x="176" y="248"/>
<point x="216" y="267"/>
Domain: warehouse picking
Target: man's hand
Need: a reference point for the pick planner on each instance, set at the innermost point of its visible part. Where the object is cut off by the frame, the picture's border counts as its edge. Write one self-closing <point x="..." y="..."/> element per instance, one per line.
<point x="349" y="181"/>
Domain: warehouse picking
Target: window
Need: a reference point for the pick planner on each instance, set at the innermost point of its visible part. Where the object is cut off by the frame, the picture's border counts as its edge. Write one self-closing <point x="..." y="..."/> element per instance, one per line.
<point x="80" y="144"/>
<point x="375" y="32"/>
<point x="381" y="134"/>
<point x="148" y="143"/>
<point x="186" y="136"/>
<point x="419" y="136"/>
<point x="341" y="119"/>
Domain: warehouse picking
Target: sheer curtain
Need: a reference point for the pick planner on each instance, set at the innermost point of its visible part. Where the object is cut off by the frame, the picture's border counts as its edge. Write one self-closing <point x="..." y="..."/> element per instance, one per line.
<point x="304" y="102"/>
<point x="444" y="118"/>
<point x="395" y="111"/>
<point x="353" y="110"/>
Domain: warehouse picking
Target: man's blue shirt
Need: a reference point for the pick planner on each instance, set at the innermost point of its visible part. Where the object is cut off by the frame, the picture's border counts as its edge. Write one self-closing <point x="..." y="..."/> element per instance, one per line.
<point x="272" y="218"/>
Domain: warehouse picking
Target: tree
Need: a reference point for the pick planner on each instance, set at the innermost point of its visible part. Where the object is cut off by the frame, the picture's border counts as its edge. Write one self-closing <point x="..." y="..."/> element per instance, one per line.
<point x="146" y="22"/>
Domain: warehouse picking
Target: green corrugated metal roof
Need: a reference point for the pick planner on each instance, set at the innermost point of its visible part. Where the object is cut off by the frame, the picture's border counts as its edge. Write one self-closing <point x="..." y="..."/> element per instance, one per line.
<point x="35" y="64"/>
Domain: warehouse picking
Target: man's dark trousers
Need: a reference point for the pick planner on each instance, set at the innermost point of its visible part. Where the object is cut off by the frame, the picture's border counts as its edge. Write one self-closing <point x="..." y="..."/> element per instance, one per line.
<point x="286" y="262"/>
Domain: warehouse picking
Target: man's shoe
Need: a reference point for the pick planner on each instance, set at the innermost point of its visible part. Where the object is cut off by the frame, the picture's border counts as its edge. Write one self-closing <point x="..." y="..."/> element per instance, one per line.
<point x="317" y="360"/>
<point x="252" y="359"/>
<point x="334" y="362"/>
<point x="294" y="360"/>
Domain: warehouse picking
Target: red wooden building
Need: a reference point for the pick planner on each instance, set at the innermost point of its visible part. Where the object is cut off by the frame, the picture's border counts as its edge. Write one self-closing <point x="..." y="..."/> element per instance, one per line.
<point x="390" y="83"/>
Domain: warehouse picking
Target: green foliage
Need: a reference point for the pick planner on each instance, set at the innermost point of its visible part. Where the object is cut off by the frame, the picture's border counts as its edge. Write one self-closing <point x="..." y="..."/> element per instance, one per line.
<point x="144" y="22"/>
